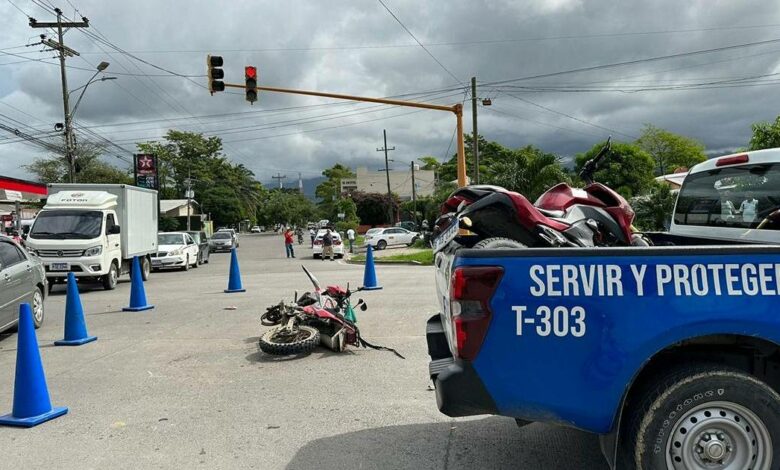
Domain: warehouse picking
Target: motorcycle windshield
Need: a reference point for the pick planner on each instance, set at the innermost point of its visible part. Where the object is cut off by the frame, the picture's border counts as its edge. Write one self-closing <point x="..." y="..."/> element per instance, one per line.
<point x="314" y="282"/>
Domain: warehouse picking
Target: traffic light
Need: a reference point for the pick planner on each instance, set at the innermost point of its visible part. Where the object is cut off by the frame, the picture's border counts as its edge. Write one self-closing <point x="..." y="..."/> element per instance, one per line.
<point x="215" y="73"/>
<point x="250" y="74"/>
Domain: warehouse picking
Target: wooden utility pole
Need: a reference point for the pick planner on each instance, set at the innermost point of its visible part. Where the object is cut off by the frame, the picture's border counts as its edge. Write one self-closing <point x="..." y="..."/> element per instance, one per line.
<point x="475" y="135"/>
<point x="414" y="195"/>
<point x="63" y="52"/>
<point x="387" y="173"/>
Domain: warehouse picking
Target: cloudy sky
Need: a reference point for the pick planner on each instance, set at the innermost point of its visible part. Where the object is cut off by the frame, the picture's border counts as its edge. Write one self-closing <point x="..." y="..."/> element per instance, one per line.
<point x="708" y="89"/>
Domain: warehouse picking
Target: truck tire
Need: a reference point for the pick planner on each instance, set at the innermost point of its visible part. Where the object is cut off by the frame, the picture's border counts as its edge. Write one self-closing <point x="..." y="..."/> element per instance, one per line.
<point x="705" y="417"/>
<point x="307" y="341"/>
<point x="109" y="280"/>
<point x="146" y="268"/>
<point x="498" y="243"/>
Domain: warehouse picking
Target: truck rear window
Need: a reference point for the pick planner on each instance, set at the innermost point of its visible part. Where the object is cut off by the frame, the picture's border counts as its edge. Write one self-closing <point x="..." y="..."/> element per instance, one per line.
<point x="740" y="197"/>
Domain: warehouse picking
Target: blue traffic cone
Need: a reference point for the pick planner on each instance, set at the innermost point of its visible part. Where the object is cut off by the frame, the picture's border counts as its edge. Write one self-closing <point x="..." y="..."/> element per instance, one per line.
<point x="137" y="292"/>
<point x="369" y="276"/>
<point x="75" y="327"/>
<point x="32" y="405"/>
<point x="234" y="282"/>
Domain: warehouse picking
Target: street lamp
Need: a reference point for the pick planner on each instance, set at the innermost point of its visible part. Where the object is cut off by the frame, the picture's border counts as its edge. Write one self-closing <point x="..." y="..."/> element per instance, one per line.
<point x="69" y="138"/>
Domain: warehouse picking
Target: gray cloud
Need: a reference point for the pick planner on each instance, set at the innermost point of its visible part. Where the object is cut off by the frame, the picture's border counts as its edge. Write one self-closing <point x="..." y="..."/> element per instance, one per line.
<point x="719" y="117"/>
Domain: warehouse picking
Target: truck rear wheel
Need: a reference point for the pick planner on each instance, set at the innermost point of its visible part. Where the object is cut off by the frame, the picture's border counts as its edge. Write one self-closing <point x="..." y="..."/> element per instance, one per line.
<point x="705" y="417"/>
<point x="110" y="279"/>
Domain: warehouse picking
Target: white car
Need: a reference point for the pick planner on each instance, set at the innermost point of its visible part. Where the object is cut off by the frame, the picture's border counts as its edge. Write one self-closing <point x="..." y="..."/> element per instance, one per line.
<point x="338" y="246"/>
<point x="255" y="229"/>
<point x="381" y="238"/>
<point x="175" y="250"/>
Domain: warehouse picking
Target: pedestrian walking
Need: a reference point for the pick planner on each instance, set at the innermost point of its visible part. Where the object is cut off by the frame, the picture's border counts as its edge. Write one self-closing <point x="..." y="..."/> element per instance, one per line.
<point x="313" y="235"/>
<point x="288" y="243"/>
<point x="351" y="238"/>
<point x="327" y="245"/>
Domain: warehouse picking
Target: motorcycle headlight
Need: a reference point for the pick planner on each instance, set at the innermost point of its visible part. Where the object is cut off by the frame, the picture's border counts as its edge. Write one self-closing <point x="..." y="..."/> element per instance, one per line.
<point x="94" y="251"/>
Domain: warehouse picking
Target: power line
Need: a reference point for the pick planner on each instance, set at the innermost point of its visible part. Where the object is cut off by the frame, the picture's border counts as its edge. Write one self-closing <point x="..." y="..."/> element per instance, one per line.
<point x="633" y="62"/>
<point x="418" y="42"/>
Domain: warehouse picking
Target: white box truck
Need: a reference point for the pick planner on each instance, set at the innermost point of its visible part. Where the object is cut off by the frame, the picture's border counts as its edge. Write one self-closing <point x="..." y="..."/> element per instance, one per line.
<point x="94" y="231"/>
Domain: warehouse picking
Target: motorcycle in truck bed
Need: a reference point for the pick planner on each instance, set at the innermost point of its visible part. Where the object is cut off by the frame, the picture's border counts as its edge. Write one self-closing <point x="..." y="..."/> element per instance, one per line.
<point x="669" y="353"/>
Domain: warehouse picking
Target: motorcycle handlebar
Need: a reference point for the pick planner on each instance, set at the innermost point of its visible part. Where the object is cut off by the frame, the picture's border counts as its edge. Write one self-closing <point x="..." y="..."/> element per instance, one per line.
<point x="592" y="165"/>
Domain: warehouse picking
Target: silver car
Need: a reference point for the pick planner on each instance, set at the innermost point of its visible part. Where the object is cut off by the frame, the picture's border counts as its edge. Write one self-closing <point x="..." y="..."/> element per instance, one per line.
<point x="22" y="279"/>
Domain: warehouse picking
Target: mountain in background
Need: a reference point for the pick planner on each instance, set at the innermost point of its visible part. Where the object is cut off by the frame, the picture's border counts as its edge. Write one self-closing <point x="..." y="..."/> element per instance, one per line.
<point x="309" y="185"/>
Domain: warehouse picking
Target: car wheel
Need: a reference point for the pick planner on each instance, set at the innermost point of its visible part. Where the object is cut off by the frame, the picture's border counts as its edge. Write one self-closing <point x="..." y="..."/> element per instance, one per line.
<point x="197" y="262"/>
<point x="146" y="268"/>
<point x="110" y="279"/>
<point x="381" y="245"/>
<point x="208" y="253"/>
<point x="414" y="240"/>
<point x="702" y="416"/>
<point x="186" y="266"/>
<point x="37" y="307"/>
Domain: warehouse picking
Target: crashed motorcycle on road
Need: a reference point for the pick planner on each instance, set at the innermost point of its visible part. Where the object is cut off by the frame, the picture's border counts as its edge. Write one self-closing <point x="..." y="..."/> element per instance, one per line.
<point x="319" y="317"/>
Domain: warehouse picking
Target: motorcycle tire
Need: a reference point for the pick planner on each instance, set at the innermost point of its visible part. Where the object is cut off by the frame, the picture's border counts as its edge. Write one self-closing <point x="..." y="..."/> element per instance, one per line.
<point x="307" y="343"/>
<point x="498" y="243"/>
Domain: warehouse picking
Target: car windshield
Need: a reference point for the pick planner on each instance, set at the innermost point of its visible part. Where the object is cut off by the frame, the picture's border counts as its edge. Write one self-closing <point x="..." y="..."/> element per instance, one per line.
<point x="222" y="235"/>
<point x="195" y="236"/>
<point x="67" y="224"/>
<point x="170" y="239"/>
<point x="739" y="197"/>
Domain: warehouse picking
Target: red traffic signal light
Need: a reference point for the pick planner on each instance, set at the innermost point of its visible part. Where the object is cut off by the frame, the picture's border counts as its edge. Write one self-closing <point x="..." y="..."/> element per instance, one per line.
<point x="215" y="73"/>
<point x="250" y="76"/>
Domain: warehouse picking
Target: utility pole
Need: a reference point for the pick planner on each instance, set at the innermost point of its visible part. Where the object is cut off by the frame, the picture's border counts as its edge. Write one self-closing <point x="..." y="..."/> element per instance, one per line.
<point x="280" y="177"/>
<point x="475" y="138"/>
<point x="387" y="173"/>
<point x="300" y="183"/>
<point x="414" y="195"/>
<point x="188" y="182"/>
<point x="64" y="51"/>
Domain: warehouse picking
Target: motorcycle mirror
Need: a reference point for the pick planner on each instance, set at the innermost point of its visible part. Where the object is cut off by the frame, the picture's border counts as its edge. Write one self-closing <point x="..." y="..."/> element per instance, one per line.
<point x="295" y="299"/>
<point x="363" y="307"/>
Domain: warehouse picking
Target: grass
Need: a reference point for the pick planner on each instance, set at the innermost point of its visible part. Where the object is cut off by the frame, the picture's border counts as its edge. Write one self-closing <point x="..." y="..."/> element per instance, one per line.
<point x="423" y="257"/>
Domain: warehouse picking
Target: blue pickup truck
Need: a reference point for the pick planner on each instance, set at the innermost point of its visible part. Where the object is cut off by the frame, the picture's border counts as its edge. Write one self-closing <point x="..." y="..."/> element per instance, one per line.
<point x="671" y="354"/>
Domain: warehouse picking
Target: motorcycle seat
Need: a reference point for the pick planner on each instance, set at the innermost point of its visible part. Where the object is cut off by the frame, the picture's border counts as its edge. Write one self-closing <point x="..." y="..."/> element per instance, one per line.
<point x="552" y="213"/>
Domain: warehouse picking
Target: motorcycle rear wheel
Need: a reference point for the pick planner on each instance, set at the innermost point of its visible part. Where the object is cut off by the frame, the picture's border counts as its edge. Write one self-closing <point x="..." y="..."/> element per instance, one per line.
<point x="305" y="341"/>
<point x="498" y="243"/>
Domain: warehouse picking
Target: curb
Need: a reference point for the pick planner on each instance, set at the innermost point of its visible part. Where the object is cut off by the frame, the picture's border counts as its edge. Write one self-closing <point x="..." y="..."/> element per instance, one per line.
<point x="379" y="261"/>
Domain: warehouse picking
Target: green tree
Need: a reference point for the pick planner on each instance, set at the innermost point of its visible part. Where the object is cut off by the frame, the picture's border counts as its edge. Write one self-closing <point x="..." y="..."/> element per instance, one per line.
<point x="373" y="208"/>
<point x="286" y="208"/>
<point x="654" y="210"/>
<point x="628" y="169"/>
<point x="528" y="171"/>
<point x="90" y="168"/>
<point x="329" y="191"/>
<point x="766" y="135"/>
<point x="669" y="150"/>
<point x="229" y="192"/>
<point x="489" y="153"/>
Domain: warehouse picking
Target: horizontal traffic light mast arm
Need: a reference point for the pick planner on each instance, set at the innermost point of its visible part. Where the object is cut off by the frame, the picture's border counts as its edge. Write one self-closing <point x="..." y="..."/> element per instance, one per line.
<point x="457" y="108"/>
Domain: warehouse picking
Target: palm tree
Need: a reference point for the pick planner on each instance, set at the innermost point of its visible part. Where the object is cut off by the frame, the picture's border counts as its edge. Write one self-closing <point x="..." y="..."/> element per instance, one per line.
<point x="528" y="171"/>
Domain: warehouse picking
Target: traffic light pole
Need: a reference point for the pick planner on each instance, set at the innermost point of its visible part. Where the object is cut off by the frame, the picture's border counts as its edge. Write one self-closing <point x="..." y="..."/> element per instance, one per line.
<point x="457" y="109"/>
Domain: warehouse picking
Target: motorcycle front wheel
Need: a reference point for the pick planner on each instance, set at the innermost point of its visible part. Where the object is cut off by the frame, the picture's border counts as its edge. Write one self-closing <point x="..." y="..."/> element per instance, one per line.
<point x="273" y="342"/>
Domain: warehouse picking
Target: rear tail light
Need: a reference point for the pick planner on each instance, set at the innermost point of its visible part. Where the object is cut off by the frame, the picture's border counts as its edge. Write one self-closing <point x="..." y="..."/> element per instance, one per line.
<point x="318" y="242"/>
<point x="470" y="294"/>
<point x="732" y="160"/>
<point x="336" y="242"/>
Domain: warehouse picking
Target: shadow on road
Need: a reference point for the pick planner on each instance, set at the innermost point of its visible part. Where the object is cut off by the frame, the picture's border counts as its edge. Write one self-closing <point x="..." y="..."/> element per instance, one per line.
<point x="495" y="443"/>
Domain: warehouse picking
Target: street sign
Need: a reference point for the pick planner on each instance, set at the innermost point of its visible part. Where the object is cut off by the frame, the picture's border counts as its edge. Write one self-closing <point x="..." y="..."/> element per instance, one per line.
<point x="145" y="170"/>
<point x="340" y="215"/>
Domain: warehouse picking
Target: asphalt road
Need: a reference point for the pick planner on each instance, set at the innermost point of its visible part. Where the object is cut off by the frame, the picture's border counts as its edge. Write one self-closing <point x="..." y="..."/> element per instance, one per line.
<point x="185" y="385"/>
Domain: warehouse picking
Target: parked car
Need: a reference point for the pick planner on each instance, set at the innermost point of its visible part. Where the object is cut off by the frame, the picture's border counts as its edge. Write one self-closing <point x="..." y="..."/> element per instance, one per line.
<point x="175" y="250"/>
<point x="22" y="279"/>
<point x="408" y="225"/>
<point x="323" y="223"/>
<point x="202" y="240"/>
<point x="255" y="229"/>
<point x="338" y="246"/>
<point x="221" y="241"/>
<point x="381" y="238"/>
<point x="233" y="233"/>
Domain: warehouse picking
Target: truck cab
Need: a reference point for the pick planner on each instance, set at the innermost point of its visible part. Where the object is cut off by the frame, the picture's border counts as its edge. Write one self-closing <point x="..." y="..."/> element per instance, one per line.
<point x="731" y="198"/>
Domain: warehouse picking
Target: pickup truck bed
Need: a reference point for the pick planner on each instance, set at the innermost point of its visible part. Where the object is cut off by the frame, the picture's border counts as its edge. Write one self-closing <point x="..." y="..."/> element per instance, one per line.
<point x="578" y="336"/>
